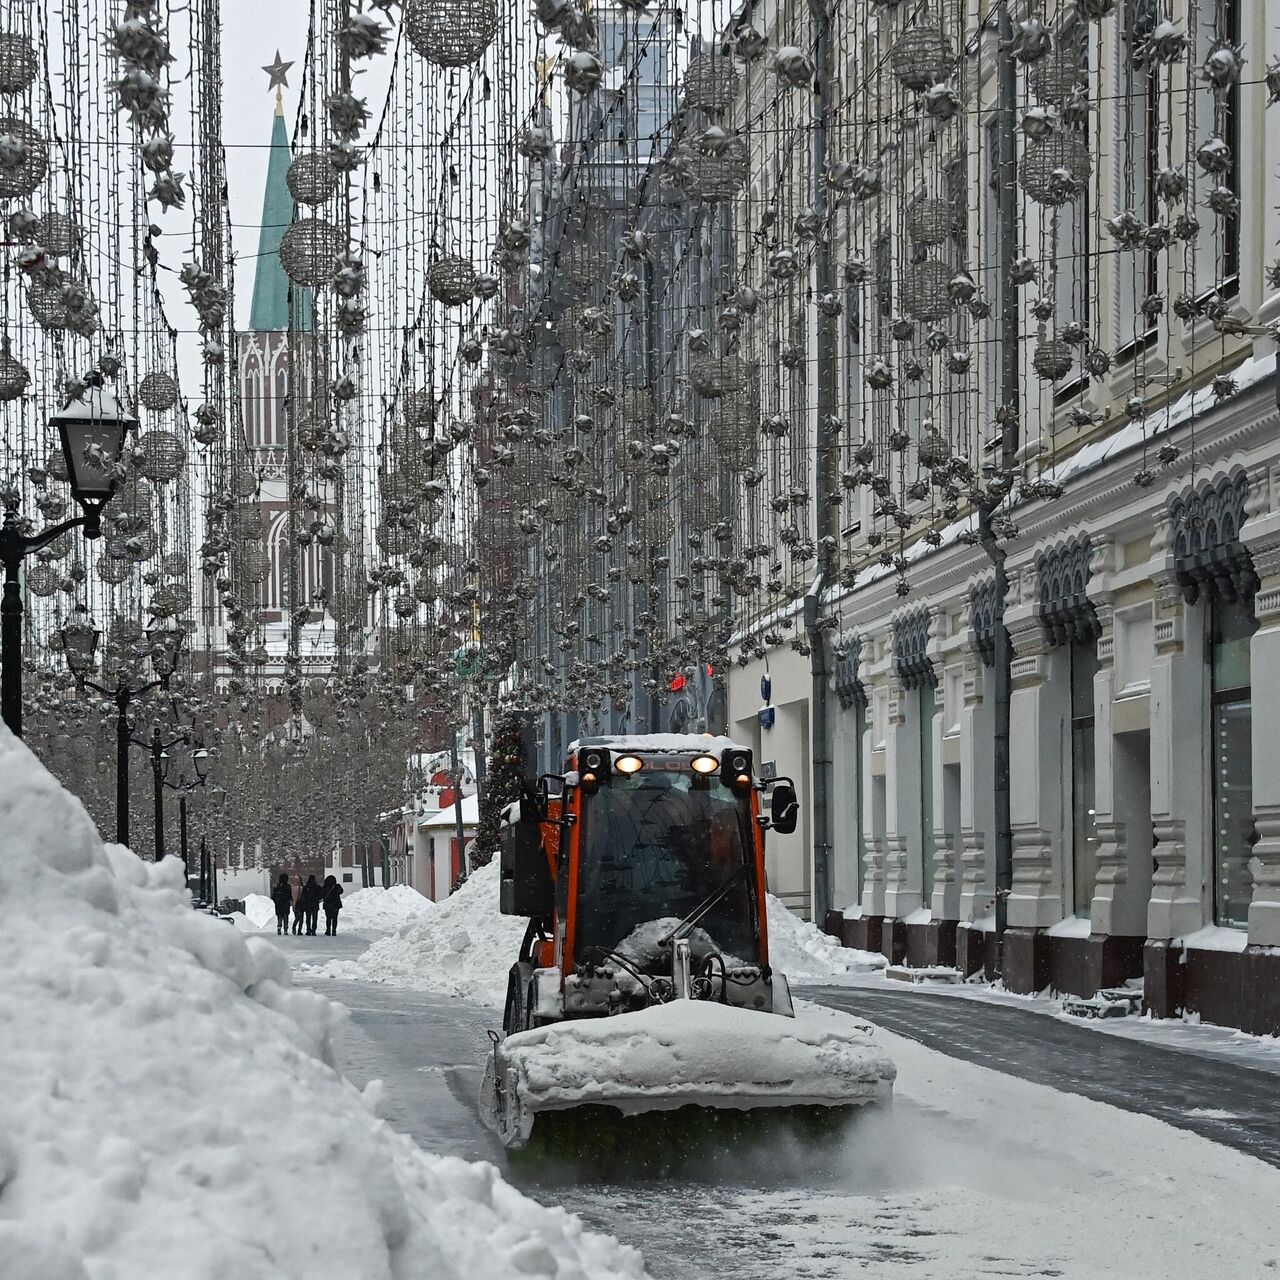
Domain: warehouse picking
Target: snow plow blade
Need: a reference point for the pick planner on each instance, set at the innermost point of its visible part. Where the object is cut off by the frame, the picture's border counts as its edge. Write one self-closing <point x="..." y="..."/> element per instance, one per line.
<point x="651" y="1091"/>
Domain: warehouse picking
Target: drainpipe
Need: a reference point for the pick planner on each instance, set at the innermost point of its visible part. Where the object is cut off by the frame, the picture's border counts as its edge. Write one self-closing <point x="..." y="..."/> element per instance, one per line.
<point x="828" y="545"/>
<point x="1006" y="104"/>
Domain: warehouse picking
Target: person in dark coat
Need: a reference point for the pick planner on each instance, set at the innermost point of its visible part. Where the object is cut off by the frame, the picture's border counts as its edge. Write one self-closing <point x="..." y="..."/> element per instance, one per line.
<point x="310" y="900"/>
<point x="296" y="890"/>
<point x="331" y="897"/>
<point x="282" y="896"/>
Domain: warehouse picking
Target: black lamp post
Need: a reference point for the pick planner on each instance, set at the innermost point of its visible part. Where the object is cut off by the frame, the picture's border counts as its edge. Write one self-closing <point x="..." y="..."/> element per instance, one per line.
<point x="183" y="786"/>
<point x="79" y="644"/>
<point x="92" y="429"/>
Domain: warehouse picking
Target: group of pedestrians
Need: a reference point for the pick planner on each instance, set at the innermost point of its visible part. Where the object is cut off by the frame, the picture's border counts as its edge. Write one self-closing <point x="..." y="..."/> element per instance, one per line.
<point x="304" y="901"/>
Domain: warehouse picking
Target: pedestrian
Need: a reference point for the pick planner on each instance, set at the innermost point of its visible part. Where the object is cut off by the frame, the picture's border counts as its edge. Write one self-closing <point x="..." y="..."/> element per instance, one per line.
<point x="311" y="905"/>
<point x="331" y="896"/>
<point x="282" y="896"/>
<point x="295" y="894"/>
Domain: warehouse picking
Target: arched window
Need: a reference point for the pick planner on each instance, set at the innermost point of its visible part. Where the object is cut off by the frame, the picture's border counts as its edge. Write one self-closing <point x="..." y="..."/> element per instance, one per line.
<point x="252" y="407"/>
<point x="281" y="394"/>
<point x="275" y="588"/>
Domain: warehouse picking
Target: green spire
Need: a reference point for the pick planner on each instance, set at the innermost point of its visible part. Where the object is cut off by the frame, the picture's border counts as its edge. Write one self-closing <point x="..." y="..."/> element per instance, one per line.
<point x="270" y="311"/>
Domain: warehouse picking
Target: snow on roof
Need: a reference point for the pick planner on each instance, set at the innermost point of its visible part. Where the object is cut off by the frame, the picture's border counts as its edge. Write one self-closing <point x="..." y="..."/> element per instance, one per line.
<point x="711" y="743"/>
<point x="447" y="817"/>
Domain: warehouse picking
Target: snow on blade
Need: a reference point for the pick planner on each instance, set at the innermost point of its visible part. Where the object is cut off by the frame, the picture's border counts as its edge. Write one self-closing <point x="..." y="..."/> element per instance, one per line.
<point x="168" y="1108"/>
<point x="693" y="1052"/>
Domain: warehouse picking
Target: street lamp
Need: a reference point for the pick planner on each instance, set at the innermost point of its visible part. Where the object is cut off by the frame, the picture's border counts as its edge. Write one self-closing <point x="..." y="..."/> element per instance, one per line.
<point x="79" y="642"/>
<point x="183" y="786"/>
<point x="92" y="429"/>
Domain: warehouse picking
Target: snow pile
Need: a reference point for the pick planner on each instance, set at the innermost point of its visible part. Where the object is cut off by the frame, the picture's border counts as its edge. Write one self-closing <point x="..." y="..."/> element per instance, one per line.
<point x="378" y="910"/>
<point x="806" y="954"/>
<point x="168" y="1110"/>
<point x="462" y="946"/>
<point x="260" y="910"/>
<point x="693" y="1052"/>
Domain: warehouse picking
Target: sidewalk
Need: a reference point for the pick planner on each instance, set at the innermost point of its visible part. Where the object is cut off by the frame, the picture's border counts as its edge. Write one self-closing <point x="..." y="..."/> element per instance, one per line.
<point x="1225" y="1101"/>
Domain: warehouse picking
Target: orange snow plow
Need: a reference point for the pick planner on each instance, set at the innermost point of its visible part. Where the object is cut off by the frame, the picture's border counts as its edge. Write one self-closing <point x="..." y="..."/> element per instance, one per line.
<point x="642" y="1011"/>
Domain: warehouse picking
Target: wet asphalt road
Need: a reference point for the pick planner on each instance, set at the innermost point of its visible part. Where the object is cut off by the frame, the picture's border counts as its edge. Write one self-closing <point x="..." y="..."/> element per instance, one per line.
<point x="1168" y="1083"/>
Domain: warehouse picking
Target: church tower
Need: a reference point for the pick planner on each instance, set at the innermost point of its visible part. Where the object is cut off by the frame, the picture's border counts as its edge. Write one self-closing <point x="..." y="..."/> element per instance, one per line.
<point x="276" y="359"/>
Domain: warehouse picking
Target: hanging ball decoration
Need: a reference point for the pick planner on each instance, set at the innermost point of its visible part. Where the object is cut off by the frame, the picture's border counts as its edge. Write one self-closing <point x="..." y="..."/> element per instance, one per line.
<point x="162" y="455"/>
<point x="46" y="304"/>
<point x="405" y="605"/>
<point x="59" y="548"/>
<point x="308" y="251"/>
<point x="18" y="63"/>
<point x="42" y="580"/>
<point x="1055" y="77"/>
<point x="254" y="562"/>
<point x="700" y="507"/>
<point x="451" y="33"/>
<point x="24" y="158"/>
<point x="58" y="234"/>
<point x="133" y="547"/>
<point x="925" y="293"/>
<point x="711" y="82"/>
<point x="717" y="376"/>
<point x="111" y="570"/>
<point x="583" y="72"/>
<point x="158" y="391"/>
<point x="245" y="522"/>
<point x="245" y="481"/>
<point x="14" y="377"/>
<point x="709" y="175"/>
<point x="420" y="411"/>
<point x="1054" y="169"/>
<point x="311" y="178"/>
<point x="451" y="280"/>
<point x="929" y="220"/>
<point x="921" y="56"/>
<point x="1052" y="359"/>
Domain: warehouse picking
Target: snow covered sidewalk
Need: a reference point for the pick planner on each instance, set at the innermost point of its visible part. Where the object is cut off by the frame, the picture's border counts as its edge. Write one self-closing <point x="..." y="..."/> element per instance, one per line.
<point x="168" y="1107"/>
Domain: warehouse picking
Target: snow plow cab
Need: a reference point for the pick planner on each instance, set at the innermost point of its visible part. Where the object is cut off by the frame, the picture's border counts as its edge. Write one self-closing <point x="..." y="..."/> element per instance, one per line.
<point x="644" y="984"/>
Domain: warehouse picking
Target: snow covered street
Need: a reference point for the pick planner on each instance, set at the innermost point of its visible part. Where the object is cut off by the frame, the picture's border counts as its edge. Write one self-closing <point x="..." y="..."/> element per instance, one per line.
<point x="973" y="1173"/>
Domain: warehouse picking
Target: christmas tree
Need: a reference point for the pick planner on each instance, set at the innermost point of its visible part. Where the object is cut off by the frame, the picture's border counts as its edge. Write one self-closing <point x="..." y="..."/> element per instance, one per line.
<point x="506" y="769"/>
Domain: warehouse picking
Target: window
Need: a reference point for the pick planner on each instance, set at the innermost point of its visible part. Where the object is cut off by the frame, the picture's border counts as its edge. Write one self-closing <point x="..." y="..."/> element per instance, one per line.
<point x="1217" y="247"/>
<point x="1231" y="625"/>
<point x="1140" y="150"/>
<point x="928" y="845"/>
<point x="1083" y="657"/>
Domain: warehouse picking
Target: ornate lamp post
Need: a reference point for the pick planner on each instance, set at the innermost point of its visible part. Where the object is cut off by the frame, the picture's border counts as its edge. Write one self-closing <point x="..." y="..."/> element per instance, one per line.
<point x="79" y="645"/>
<point x="183" y="786"/>
<point x="92" y="429"/>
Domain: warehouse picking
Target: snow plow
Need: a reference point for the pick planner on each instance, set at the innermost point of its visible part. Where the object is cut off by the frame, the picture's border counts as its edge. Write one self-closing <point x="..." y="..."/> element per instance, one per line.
<point x="643" y="1021"/>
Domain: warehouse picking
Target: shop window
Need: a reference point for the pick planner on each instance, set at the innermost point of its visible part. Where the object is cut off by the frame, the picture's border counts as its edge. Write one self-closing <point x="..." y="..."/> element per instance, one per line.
<point x="1231" y="625"/>
<point x="1084" y="830"/>
<point x="928" y="704"/>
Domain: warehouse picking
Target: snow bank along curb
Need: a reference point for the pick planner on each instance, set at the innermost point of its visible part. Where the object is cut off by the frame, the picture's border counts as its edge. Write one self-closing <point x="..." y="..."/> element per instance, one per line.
<point x="167" y="1108"/>
<point x="371" y="910"/>
<point x="464" y="947"/>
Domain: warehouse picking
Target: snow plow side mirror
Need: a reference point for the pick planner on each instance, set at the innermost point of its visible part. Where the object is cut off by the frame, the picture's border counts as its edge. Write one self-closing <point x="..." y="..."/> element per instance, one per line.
<point x="784" y="808"/>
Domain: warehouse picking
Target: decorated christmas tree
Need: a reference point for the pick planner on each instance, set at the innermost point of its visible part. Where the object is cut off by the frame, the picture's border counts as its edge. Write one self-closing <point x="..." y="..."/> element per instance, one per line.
<point x="506" y="769"/>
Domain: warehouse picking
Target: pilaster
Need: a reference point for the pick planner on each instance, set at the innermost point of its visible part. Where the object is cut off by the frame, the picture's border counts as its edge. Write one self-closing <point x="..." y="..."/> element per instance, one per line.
<point x="902" y="888"/>
<point x="1035" y="775"/>
<point x="1179" y="757"/>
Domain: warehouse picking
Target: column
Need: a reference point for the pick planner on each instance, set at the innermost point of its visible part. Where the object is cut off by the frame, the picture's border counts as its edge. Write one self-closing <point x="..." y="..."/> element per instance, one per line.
<point x="1179" y="763"/>
<point x="977" y="818"/>
<point x="1039" y="717"/>
<point x="903" y="891"/>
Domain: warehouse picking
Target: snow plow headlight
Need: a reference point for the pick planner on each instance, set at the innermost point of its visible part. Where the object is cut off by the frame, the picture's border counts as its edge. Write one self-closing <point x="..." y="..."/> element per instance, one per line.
<point x="593" y="765"/>
<point x="628" y="764"/>
<point x="736" y="764"/>
<point x="704" y="764"/>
